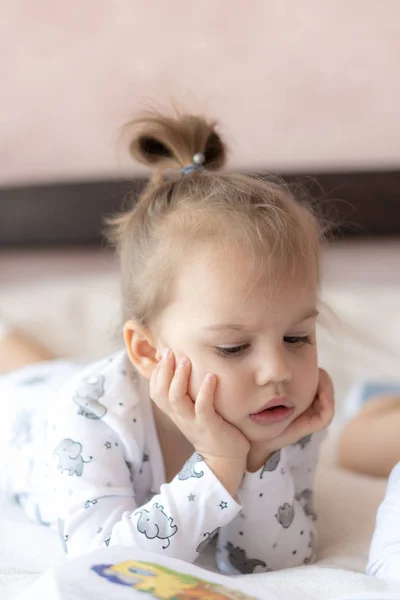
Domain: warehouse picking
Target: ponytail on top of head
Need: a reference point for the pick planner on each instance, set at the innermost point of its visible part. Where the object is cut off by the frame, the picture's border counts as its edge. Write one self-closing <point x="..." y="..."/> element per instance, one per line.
<point x="166" y="142"/>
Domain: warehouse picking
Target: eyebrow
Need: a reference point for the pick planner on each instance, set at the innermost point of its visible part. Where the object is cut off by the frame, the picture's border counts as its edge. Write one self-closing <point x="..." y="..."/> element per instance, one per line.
<point x="309" y="315"/>
<point x="234" y="327"/>
<point x="225" y="327"/>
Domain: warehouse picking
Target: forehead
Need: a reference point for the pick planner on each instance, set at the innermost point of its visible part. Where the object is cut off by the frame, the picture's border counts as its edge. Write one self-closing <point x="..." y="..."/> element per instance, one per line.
<point x="215" y="282"/>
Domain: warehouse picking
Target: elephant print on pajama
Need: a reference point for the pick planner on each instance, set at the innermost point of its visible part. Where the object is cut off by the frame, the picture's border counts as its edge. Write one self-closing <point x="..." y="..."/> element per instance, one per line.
<point x="70" y="459"/>
<point x="271" y="463"/>
<point x="189" y="468"/>
<point x="87" y="396"/>
<point x="155" y="523"/>
<point x="207" y="538"/>
<point x="239" y="561"/>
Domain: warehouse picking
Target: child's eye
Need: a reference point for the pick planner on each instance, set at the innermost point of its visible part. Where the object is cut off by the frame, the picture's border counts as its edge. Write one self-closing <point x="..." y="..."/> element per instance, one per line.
<point x="232" y="350"/>
<point x="297" y="340"/>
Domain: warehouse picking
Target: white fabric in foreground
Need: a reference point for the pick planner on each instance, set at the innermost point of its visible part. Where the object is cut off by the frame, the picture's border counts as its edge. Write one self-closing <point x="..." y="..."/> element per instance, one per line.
<point x="346" y="504"/>
<point x="122" y="574"/>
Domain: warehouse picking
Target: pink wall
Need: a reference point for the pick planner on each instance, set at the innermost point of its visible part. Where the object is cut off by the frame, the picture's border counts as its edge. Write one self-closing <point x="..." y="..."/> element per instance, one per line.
<point x="295" y="83"/>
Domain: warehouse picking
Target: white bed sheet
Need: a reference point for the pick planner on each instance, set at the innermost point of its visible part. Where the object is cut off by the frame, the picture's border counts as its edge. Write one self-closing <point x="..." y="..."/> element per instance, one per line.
<point x="362" y="340"/>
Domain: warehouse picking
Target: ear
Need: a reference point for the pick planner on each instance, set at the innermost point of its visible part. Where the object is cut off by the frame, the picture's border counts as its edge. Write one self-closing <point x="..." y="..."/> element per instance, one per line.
<point x="141" y="348"/>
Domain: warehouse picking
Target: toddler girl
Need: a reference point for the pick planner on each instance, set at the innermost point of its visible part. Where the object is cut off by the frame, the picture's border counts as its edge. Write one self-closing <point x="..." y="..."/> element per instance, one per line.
<point x="220" y="280"/>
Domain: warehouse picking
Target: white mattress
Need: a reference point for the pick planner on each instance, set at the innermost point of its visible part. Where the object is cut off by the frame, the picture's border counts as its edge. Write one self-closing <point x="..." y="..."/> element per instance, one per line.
<point x="77" y="314"/>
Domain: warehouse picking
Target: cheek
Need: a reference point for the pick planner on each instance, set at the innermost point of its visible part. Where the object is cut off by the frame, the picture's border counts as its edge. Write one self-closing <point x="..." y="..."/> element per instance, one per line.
<point x="228" y="388"/>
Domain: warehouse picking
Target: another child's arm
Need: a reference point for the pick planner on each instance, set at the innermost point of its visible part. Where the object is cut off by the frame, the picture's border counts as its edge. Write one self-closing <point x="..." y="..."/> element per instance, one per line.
<point x="370" y="442"/>
<point x="276" y="528"/>
<point x="384" y="556"/>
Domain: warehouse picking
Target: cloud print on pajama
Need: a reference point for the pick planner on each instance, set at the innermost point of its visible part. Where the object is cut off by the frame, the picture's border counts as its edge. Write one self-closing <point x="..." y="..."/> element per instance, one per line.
<point x="285" y="515"/>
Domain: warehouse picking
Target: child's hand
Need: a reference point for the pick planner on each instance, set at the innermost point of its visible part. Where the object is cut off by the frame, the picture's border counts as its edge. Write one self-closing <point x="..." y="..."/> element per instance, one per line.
<point x="317" y="417"/>
<point x="220" y="444"/>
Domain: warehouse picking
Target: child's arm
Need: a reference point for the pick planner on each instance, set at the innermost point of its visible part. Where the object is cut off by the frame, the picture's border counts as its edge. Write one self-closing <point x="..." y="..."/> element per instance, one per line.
<point x="384" y="556"/>
<point x="97" y="496"/>
<point x="98" y="489"/>
<point x="370" y="442"/>
<point x="276" y="529"/>
<point x="172" y="523"/>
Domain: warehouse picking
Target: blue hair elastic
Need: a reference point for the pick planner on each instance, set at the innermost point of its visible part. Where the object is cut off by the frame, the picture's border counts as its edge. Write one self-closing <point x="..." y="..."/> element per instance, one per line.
<point x="196" y="165"/>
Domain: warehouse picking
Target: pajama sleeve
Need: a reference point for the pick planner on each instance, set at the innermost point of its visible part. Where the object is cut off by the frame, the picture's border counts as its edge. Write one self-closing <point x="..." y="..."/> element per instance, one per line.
<point x="384" y="556"/>
<point x="102" y="483"/>
<point x="177" y="521"/>
<point x="276" y="528"/>
<point x="98" y="506"/>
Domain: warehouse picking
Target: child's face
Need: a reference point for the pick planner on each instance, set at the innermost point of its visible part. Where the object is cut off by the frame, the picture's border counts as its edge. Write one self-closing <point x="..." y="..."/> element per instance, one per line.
<point x="248" y="337"/>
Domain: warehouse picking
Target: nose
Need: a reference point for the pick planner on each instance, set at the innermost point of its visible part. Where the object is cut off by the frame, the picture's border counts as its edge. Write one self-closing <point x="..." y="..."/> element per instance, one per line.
<point x="274" y="368"/>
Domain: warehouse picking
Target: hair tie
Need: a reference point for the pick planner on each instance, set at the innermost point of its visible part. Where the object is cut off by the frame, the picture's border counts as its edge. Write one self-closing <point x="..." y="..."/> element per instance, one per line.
<point x="196" y="165"/>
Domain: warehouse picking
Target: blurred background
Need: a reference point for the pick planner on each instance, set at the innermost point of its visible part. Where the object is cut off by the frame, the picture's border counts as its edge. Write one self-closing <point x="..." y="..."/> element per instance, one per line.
<point x="296" y="85"/>
<point x="309" y="89"/>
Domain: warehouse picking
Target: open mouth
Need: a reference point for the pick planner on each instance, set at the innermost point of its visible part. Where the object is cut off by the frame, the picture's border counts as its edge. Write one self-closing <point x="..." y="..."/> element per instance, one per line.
<point x="275" y="411"/>
<point x="273" y="408"/>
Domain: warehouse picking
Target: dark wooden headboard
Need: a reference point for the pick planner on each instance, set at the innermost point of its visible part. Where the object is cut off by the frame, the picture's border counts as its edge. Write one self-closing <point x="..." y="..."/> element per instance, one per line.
<point x="359" y="203"/>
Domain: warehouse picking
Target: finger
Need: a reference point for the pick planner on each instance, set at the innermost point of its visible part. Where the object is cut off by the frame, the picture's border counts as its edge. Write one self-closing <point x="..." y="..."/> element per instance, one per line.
<point x="318" y="415"/>
<point x="305" y="423"/>
<point x="178" y="392"/>
<point x="153" y="381"/>
<point x="204" y="406"/>
<point x="165" y="373"/>
<point x="327" y="398"/>
<point x="161" y="379"/>
<point x="326" y="401"/>
<point x="325" y="386"/>
<point x="299" y="427"/>
<point x="327" y="410"/>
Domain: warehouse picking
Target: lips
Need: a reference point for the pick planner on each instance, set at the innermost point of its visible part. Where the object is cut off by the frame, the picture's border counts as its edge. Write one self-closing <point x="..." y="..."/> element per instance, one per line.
<point x="276" y="402"/>
<point x="276" y="410"/>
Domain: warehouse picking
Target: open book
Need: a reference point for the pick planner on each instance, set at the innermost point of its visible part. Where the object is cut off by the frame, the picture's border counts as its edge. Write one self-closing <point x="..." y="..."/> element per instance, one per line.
<point x="126" y="574"/>
<point x="117" y="573"/>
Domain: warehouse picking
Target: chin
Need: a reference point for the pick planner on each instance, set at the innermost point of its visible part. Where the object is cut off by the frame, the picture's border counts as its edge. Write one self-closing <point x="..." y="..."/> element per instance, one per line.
<point x="265" y="434"/>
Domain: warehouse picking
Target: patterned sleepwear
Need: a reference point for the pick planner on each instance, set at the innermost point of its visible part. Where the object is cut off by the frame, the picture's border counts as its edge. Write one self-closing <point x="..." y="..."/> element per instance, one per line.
<point x="80" y="451"/>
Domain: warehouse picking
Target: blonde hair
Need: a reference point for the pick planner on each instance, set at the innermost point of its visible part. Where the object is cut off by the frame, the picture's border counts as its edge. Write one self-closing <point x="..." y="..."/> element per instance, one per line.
<point x="176" y="212"/>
